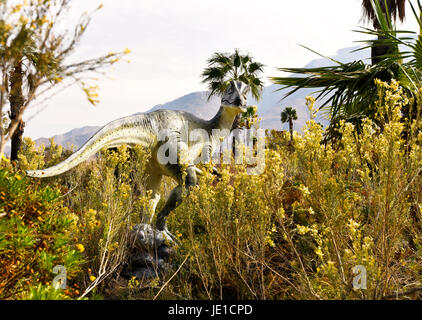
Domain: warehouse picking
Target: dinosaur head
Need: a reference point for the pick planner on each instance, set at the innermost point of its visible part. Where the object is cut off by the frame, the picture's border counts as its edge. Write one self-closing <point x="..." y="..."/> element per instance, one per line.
<point x="235" y="95"/>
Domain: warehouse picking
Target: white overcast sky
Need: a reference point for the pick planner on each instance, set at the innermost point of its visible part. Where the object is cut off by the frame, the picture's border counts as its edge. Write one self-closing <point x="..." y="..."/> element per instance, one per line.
<point x="171" y="41"/>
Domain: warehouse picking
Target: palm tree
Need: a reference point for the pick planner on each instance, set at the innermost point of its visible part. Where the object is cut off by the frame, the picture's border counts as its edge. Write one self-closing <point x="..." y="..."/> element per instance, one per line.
<point x="349" y="88"/>
<point x="225" y="67"/>
<point x="249" y="117"/>
<point x="289" y="115"/>
<point x="392" y="9"/>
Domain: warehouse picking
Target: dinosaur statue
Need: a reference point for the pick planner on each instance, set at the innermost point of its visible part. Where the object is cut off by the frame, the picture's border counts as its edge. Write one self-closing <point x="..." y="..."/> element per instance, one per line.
<point x="164" y="132"/>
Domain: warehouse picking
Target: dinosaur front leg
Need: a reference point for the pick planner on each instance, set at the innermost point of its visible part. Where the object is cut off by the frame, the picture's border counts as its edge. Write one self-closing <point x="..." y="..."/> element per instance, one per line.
<point x="216" y="172"/>
<point x="175" y="198"/>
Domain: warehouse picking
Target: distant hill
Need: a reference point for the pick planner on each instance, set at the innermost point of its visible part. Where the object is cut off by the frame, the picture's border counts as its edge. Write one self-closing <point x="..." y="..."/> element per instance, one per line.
<point x="75" y="137"/>
<point x="269" y="107"/>
<point x="195" y="102"/>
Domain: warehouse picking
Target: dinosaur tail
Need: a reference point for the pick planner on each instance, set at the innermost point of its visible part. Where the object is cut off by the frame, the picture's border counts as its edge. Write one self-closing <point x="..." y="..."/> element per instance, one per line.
<point x="130" y="130"/>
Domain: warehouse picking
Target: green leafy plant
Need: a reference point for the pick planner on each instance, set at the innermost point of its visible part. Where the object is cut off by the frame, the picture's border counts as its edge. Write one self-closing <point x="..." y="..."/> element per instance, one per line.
<point x="35" y="235"/>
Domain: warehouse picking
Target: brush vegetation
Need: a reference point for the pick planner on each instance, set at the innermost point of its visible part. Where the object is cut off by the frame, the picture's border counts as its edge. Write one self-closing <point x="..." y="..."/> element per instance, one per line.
<point x="294" y="232"/>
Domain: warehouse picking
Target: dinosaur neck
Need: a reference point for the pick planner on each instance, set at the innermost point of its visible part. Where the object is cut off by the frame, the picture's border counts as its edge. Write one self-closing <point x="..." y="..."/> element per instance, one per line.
<point x="224" y="118"/>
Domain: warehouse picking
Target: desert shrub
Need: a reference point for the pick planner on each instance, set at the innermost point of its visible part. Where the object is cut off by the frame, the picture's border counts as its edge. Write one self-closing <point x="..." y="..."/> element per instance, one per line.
<point x="299" y="229"/>
<point x="108" y="196"/>
<point x="32" y="157"/>
<point x="360" y="206"/>
<point x="35" y="236"/>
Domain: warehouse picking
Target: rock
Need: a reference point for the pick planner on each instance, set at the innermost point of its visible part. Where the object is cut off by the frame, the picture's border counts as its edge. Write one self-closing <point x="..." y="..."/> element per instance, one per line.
<point x="150" y="252"/>
<point x="144" y="236"/>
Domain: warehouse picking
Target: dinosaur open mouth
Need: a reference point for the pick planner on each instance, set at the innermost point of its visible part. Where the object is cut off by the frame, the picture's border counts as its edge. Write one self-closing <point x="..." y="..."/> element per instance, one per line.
<point x="242" y="108"/>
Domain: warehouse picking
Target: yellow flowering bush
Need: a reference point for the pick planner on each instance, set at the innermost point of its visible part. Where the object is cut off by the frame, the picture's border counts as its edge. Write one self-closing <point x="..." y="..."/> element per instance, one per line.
<point x="299" y="230"/>
<point x="317" y="212"/>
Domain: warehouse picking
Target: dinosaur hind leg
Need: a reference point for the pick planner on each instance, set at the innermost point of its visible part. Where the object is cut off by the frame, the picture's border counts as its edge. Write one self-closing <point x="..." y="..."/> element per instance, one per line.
<point x="153" y="184"/>
<point x="175" y="198"/>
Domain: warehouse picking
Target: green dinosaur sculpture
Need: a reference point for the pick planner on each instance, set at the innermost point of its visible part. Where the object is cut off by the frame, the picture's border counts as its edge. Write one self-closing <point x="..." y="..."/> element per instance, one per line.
<point x="176" y="139"/>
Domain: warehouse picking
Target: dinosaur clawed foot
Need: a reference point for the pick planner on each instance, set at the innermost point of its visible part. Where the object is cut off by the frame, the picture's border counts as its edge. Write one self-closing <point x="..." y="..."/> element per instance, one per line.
<point x="171" y="236"/>
<point x="167" y="233"/>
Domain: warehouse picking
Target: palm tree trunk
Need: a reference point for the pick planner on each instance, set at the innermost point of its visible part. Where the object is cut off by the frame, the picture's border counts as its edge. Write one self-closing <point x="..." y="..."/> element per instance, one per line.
<point x="16" y="102"/>
<point x="291" y="129"/>
<point x="235" y="125"/>
<point x="378" y="51"/>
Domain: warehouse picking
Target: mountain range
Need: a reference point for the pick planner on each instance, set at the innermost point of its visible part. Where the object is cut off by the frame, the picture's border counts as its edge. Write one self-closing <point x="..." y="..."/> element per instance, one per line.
<point x="269" y="106"/>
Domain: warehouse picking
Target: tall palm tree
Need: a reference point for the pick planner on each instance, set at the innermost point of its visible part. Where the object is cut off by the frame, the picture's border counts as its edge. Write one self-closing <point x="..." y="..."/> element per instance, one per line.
<point x="289" y="115"/>
<point x="392" y="9"/>
<point x="225" y="67"/>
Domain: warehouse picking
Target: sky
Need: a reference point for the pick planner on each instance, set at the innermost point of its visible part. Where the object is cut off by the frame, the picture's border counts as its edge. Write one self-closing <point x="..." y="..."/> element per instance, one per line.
<point x="170" y="42"/>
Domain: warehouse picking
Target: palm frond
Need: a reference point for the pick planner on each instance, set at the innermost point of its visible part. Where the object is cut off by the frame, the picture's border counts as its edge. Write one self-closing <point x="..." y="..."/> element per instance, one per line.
<point x="255" y="67"/>
<point x="220" y="59"/>
<point x="349" y="89"/>
<point x="237" y="59"/>
<point x="213" y="73"/>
